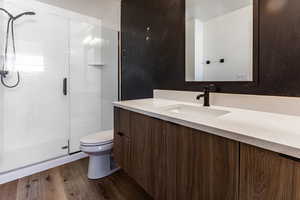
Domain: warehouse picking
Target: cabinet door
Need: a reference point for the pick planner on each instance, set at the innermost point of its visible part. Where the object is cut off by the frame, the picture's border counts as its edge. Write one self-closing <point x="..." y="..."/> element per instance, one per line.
<point x="207" y="166"/>
<point x="143" y="161"/>
<point x="296" y="183"/>
<point x="121" y="150"/>
<point x="164" y="161"/>
<point x="265" y="175"/>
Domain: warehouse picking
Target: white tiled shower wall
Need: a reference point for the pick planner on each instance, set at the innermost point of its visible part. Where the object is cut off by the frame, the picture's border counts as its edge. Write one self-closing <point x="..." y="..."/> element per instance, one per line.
<point x="35" y="117"/>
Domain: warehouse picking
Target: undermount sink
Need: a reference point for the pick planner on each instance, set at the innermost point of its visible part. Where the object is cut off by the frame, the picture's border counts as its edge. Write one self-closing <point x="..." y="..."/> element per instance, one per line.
<point x="195" y="111"/>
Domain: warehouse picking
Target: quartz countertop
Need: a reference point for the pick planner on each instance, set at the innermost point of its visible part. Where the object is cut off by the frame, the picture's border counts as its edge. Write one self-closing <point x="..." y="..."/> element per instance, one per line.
<point x="275" y="132"/>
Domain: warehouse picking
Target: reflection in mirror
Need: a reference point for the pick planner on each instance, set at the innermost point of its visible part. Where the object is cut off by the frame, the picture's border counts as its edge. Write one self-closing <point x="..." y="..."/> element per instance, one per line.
<point x="219" y="40"/>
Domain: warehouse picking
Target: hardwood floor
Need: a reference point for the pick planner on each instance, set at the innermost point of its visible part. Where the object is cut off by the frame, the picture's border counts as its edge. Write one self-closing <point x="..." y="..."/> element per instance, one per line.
<point x="69" y="182"/>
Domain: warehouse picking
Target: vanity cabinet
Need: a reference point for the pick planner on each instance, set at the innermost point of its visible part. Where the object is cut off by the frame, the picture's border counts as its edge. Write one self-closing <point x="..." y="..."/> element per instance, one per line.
<point x="268" y="175"/>
<point x="175" y="162"/>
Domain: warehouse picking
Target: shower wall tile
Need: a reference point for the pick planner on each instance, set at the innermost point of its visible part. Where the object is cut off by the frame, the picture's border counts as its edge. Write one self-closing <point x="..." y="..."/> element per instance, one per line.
<point x="109" y="84"/>
<point x="36" y="119"/>
<point x="1" y="90"/>
<point x="85" y="81"/>
<point x="35" y="114"/>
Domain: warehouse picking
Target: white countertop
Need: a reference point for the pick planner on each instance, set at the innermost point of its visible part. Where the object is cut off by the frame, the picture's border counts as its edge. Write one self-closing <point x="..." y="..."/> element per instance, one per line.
<point x="275" y="132"/>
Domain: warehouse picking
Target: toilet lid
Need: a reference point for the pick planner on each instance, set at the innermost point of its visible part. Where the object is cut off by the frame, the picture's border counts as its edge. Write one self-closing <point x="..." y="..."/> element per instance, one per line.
<point x="100" y="138"/>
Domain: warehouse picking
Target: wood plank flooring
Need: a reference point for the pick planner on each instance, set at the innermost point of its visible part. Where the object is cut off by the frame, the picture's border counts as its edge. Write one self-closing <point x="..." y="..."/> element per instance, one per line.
<point x="69" y="182"/>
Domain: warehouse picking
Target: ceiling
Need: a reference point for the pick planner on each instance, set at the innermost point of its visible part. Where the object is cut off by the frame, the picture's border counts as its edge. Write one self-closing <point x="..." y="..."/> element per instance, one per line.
<point x="207" y="9"/>
<point x="109" y="11"/>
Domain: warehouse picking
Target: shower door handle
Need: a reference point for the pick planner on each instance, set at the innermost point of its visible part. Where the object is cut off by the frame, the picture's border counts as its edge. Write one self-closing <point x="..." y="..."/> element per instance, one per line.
<point x="65" y="86"/>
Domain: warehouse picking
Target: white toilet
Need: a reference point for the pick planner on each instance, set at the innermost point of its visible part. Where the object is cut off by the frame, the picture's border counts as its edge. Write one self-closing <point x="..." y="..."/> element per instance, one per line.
<point x="99" y="146"/>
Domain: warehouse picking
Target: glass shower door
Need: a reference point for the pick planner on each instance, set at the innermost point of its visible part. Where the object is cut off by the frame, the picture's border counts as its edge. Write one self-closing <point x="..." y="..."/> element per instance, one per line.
<point x="34" y="117"/>
<point x="93" y="79"/>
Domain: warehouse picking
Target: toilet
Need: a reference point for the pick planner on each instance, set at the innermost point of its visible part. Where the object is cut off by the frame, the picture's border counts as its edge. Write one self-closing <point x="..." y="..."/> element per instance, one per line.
<point x="99" y="147"/>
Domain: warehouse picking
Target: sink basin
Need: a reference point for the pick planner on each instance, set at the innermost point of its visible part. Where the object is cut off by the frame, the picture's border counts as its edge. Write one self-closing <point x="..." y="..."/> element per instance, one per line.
<point x="195" y="111"/>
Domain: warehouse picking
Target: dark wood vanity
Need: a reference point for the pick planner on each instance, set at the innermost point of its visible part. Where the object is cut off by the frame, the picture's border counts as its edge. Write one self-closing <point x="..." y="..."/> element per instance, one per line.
<point x="172" y="162"/>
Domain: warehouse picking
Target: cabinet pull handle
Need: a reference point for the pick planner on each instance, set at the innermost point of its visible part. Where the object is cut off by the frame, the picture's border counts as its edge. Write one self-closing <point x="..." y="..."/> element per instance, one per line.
<point x="120" y="134"/>
<point x="289" y="157"/>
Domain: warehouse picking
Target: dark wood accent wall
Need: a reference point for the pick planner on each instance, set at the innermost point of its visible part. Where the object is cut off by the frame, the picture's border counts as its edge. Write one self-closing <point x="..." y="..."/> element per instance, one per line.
<point x="158" y="62"/>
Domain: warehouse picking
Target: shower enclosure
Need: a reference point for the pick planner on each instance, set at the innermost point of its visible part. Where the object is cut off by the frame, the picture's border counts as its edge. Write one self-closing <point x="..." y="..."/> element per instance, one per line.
<point x="40" y="121"/>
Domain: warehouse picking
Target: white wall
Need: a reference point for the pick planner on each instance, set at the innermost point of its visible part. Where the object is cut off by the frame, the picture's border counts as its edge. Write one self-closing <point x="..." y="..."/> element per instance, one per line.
<point x="226" y="37"/>
<point x="85" y="81"/>
<point x="36" y="120"/>
<point x="109" y="79"/>
<point x="1" y="123"/>
<point x="199" y="50"/>
<point x="194" y="50"/>
<point x="1" y="95"/>
<point x="229" y="37"/>
<point x="190" y="45"/>
<point x="35" y="114"/>
<point x="109" y="11"/>
<point x="92" y="88"/>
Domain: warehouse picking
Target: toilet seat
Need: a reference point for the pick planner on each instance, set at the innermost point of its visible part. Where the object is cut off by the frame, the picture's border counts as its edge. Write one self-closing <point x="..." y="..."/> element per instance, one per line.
<point x="96" y="148"/>
<point x="98" y="139"/>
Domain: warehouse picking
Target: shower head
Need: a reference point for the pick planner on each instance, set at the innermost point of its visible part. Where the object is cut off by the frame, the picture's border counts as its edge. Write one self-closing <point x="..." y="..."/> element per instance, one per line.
<point x="22" y="14"/>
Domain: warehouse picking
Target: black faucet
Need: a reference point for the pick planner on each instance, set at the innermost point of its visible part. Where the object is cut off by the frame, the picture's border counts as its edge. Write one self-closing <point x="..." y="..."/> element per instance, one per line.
<point x="206" y="90"/>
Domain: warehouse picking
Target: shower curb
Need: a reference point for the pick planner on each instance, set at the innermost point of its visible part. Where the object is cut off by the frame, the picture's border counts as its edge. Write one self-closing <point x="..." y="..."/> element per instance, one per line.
<point x="39" y="167"/>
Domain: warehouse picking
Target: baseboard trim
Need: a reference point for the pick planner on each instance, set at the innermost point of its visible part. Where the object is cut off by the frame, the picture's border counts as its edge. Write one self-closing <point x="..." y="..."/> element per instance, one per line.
<point x="36" y="168"/>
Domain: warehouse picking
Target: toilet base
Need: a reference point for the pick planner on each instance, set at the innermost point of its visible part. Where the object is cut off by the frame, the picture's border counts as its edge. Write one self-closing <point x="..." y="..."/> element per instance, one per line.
<point x="100" y="166"/>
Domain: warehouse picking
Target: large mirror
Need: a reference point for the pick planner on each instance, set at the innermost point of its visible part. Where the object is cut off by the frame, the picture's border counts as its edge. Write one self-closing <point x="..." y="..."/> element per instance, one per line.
<point x="219" y="40"/>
